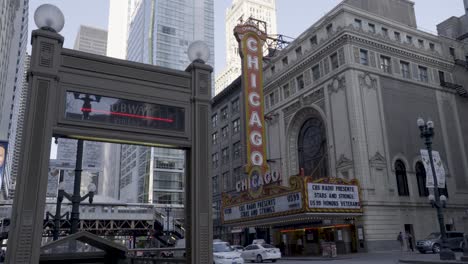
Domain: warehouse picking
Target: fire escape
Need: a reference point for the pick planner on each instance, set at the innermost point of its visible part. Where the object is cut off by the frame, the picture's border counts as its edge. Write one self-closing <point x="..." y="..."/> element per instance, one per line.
<point x="274" y="42"/>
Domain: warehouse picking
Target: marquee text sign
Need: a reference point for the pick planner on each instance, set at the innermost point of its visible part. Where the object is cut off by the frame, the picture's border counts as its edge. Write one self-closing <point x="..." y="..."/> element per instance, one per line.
<point x="333" y="196"/>
<point x="265" y="207"/>
<point x="251" y="41"/>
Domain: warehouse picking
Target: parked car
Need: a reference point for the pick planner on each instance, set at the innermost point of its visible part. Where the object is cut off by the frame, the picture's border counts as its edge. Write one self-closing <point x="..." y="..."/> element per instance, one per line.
<point x="238" y="248"/>
<point x="223" y="253"/>
<point x="433" y="242"/>
<point x="261" y="252"/>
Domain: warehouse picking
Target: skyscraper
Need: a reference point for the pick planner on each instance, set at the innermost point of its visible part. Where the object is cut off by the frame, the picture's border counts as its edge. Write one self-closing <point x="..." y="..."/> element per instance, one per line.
<point x="160" y="32"/>
<point x="13" y="42"/>
<point x="241" y="10"/>
<point x="92" y="40"/>
<point x="119" y="20"/>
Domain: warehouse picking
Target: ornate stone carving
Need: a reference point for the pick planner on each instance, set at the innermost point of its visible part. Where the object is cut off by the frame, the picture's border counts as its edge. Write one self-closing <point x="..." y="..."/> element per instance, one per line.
<point x="367" y="81"/>
<point x="378" y="161"/>
<point x="343" y="162"/>
<point x="337" y="84"/>
<point x="292" y="108"/>
<point x="313" y="97"/>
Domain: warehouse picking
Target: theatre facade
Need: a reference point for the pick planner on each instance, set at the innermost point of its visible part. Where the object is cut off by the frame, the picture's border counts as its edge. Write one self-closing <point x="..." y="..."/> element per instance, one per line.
<point x="342" y="148"/>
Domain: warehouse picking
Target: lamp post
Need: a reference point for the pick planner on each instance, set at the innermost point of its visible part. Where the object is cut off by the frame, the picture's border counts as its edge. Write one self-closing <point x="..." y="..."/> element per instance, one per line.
<point x="168" y="209"/>
<point x="57" y="217"/>
<point x="438" y="201"/>
<point x="76" y="198"/>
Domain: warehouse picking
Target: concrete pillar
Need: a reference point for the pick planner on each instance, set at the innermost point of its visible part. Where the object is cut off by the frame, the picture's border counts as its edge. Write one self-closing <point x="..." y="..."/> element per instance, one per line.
<point x="28" y="208"/>
<point x="198" y="213"/>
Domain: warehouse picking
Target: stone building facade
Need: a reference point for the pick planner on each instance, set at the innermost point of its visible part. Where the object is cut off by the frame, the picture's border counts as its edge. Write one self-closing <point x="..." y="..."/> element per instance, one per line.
<point x="342" y="101"/>
<point x="363" y="74"/>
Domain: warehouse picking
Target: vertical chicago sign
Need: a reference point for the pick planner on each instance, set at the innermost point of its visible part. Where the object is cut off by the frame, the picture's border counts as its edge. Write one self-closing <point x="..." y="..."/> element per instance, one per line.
<point x="251" y="41"/>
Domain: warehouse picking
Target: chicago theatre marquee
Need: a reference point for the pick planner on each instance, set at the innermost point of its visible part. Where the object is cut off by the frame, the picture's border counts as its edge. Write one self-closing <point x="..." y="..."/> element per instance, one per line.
<point x="333" y="152"/>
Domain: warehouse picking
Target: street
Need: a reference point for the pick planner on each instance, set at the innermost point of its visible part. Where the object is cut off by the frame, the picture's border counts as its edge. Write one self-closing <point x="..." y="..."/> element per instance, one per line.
<point x="390" y="257"/>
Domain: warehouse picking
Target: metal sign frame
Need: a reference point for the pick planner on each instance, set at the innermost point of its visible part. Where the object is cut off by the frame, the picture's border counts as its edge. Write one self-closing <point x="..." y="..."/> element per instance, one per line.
<point x="54" y="71"/>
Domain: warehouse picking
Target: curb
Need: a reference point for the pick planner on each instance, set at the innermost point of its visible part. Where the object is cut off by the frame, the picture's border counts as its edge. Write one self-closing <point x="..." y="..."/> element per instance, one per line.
<point x="409" y="261"/>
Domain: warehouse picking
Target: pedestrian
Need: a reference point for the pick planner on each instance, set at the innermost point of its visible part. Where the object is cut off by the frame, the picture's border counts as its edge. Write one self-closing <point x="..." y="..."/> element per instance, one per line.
<point x="400" y="239"/>
<point x="409" y="237"/>
<point x="299" y="245"/>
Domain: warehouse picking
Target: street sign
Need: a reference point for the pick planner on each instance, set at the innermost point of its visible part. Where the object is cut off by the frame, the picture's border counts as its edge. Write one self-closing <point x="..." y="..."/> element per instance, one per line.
<point x="438" y="166"/>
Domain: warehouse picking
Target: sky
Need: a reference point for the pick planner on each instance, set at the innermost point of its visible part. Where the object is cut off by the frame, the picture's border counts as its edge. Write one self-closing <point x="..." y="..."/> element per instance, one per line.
<point x="293" y="17"/>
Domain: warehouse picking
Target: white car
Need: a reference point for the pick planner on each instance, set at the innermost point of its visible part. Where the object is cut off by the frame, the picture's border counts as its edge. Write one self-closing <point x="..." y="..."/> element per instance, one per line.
<point x="223" y="253"/>
<point x="261" y="252"/>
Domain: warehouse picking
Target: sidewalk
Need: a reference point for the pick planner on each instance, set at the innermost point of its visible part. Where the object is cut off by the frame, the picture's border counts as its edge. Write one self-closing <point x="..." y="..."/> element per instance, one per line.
<point x="320" y="258"/>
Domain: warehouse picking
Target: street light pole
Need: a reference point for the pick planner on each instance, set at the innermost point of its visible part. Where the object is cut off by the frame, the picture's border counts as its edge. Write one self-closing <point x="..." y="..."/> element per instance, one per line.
<point x="168" y="210"/>
<point x="437" y="201"/>
<point x="76" y="198"/>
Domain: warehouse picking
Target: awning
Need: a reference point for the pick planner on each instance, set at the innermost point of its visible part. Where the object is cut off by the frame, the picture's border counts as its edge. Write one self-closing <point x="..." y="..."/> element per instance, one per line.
<point x="237" y="230"/>
<point x="293" y="219"/>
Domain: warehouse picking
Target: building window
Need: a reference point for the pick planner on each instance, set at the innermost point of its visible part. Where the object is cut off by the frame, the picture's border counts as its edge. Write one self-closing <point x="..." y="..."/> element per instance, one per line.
<point x="225" y="155"/>
<point x="313" y="40"/>
<point x="235" y="106"/>
<point x="421" y="177"/>
<point x="372" y="28"/>
<point x="452" y="51"/>
<point x="363" y="57"/>
<point x="312" y="149"/>
<point x="409" y="39"/>
<point x="397" y="36"/>
<point x="215" y="160"/>
<point x="214" y="120"/>
<point x="329" y="28"/>
<point x="423" y="74"/>
<point x="358" y="23"/>
<point x="224" y="113"/>
<point x="334" y="61"/>
<point x="236" y="126"/>
<point x="286" y="91"/>
<point x="385" y="32"/>
<point x="237" y="174"/>
<point x="168" y="30"/>
<point x="236" y="150"/>
<point x="442" y="78"/>
<point x="300" y="82"/>
<point x="402" y="182"/>
<point x="285" y="61"/>
<point x="272" y="69"/>
<point x="421" y="43"/>
<point x="214" y="138"/>
<point x="385" y="64"/>
<point x="273" y="98"/>
<point x="215" y="184"/>
<point x="432" y="46"/>
<point x="226" y="181"/>
<point x="316" y="72"/>
<point x="298" y="52"/>
<point x="405" y="69"/>
<point x="225" y="132"/>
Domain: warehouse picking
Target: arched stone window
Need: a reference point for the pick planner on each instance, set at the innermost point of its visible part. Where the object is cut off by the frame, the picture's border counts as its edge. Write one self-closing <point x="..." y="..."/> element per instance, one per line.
<point x="402" y="181"/>
<point x="312" y="149"/>
<point x="421" y="177"/>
